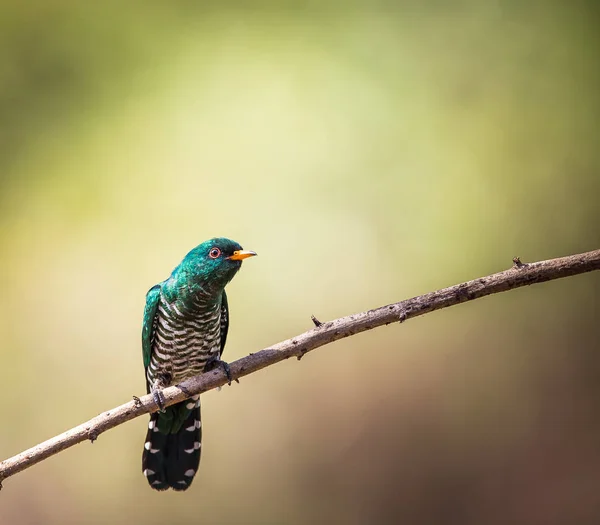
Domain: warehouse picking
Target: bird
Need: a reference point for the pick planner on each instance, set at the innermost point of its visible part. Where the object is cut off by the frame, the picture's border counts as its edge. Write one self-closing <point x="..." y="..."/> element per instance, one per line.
<point x="184" y="330"/>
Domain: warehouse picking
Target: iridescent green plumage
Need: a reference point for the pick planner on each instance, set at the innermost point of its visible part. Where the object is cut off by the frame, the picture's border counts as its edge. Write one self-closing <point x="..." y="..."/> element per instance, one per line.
<point x="184" y="331"/>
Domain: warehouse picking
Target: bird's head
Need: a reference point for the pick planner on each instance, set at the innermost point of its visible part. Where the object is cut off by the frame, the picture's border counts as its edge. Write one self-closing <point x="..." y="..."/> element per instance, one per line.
<point x="212" y="264"/>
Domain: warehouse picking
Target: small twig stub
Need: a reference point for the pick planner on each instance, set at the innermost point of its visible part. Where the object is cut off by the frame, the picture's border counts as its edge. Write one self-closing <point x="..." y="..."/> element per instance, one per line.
<point x="316" y="321"/>
<point x="517" y="263"/>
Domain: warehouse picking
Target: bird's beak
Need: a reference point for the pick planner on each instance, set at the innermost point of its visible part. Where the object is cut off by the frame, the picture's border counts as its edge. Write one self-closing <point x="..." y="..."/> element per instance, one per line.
<point x="240" y="255"/>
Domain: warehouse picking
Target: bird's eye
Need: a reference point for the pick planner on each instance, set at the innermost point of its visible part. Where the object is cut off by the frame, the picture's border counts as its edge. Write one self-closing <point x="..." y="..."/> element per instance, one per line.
<point x="214" y="253"/>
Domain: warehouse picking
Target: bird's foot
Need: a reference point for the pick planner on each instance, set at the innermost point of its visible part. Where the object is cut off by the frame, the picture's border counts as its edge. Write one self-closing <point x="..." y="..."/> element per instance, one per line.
<point x="159" y="399"/>
<point x="184" y="390"/>
<point x="215" y="362"/>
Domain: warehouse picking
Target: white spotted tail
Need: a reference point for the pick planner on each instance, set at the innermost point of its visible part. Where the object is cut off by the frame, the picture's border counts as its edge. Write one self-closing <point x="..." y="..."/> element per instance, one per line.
<point x="170" y="460"/>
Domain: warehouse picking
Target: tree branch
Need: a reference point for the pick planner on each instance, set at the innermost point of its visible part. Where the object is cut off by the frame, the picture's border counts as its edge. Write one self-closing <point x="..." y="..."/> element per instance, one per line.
<point x="521" y="274"/>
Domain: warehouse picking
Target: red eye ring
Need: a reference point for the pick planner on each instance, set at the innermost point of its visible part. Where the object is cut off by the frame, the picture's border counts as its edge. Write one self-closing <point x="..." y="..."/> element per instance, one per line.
<point x="214" y="253"/>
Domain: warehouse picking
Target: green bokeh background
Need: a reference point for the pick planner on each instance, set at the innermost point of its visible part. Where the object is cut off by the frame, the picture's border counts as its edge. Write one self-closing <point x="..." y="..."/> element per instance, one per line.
<point x="369" y="152"/>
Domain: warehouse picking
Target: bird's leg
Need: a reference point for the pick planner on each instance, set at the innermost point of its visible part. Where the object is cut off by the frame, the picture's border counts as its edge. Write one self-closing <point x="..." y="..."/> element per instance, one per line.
<point x="215" y="361"/>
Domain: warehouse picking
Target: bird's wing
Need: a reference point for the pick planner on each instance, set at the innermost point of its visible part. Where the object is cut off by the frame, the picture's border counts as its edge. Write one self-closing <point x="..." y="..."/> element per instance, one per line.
<point x="224" y="321"/>
<point x="149" y="324"/>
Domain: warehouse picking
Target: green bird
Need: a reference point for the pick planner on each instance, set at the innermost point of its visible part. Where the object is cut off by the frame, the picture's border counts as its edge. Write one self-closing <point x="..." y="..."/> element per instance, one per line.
<point x="186" y="319"/>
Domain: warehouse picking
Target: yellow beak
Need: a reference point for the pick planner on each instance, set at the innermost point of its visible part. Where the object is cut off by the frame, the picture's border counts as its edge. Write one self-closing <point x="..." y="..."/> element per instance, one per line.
<point x="240" y="255"/>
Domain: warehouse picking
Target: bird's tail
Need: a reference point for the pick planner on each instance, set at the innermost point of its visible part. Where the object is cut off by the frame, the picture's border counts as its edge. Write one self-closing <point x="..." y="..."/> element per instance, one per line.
<point x="172" y="448"/>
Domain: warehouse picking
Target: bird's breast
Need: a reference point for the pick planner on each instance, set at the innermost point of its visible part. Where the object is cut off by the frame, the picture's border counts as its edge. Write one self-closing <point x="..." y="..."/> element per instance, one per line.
<point x="185" y="339"/>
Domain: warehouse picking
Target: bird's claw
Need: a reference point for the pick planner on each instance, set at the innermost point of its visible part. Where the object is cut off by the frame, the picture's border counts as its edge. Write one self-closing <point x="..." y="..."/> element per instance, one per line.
<point x="184" y="390"/>
<point x="214" y="363"/>
<point x="159" y="399"/>
<point x="227" y="369"/>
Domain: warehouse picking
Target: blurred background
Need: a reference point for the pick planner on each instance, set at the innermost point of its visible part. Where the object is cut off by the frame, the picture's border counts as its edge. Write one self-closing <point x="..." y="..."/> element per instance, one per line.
<point x="369" y="152"/>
